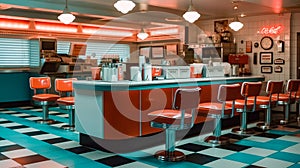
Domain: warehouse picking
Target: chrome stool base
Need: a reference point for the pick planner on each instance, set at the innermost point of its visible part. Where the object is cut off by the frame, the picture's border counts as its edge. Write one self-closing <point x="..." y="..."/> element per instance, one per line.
<point x="283" y="122"/>
<point x="47" y="121"/>
<point x="221" y="140"/>
<point x="243" y="132"/>
<point x="68" y="127"/>
<point x="265" y="127"/>
<point x="174" y="156"/>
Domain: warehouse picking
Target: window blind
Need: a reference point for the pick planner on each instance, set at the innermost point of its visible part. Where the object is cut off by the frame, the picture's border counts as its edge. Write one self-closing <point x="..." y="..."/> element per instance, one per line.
<point x="14" y="52"/>
<point x="34" y="53"/>
<point x="97" y="48"/>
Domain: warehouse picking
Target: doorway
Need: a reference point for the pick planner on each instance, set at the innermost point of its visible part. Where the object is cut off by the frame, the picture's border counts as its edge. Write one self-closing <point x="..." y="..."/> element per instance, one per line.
<point x="298" y="55"/>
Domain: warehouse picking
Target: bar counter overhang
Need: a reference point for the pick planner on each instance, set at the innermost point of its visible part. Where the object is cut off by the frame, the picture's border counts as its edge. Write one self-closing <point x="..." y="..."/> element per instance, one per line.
<point x="112" y="116"/>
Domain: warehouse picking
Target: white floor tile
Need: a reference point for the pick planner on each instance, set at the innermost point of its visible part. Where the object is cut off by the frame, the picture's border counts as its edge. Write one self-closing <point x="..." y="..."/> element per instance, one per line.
<point x="217" y="152"/>
<point x="2" y="119"/>
<point x="10" y="124"/>
<point x="258" y="151"/>
<point x="224" y="163"/>
<point x="290" y="138"/>
<point x="136" y="164"/>
<point x="274" y="163"/>
<point x="6" y="143"/>
<point x="45" y="164"/>
<point x="258" y="139"/>
<point x="8" y="112"/>
<point x="24" y="130"/>
<point x="45" y="136"/>
<point x="18" y="153"/>
<point x="34" y="118"/>
<point x="67" y="145"/>
<point x="95" y="155"/>
<point x="21" y="114"/>
<point x="9" y="163"/>
<point x="293" y="149"/>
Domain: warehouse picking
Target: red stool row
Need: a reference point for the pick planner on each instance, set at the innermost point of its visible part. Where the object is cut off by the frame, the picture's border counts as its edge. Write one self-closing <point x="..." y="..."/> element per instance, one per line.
<point x="42" y="98"/>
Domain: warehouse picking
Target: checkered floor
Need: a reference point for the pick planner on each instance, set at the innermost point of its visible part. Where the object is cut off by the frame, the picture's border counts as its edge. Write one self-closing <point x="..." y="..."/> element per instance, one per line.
<point x="25" y="143"/>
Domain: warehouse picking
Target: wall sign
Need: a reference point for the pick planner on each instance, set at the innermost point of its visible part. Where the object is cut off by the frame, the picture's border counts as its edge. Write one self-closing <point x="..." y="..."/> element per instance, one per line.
<point x="278" y="69"/>
<point x="279" y="61"/>
<point x="266" y="69"/>
<point x="266" y="58"/>
<point x="270" y="30"/>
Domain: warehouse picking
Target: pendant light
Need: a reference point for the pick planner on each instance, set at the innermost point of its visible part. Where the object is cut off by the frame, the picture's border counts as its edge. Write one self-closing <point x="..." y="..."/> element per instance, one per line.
<point x="142" y="34"/>
<point x="236" y="25"/>
<point x="66" y="17"/>
<point x="191" y="15"/>
<point x="124" y="6"/>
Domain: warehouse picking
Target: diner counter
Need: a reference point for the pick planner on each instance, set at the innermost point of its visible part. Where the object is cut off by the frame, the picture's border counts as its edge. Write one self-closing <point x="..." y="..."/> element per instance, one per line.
<point x="169" y="83"/>
<point x="113" y="111"/>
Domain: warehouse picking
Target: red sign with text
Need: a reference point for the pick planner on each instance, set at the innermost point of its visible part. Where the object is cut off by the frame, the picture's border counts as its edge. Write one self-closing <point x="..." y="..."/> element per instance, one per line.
<point x="271" y="30"/>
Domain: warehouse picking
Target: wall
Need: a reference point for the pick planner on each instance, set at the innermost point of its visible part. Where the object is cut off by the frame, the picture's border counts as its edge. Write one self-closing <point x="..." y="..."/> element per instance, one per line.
<point x="295" y="28"/>
<point x="249" y="33"/>
<point x="15" y="87"/>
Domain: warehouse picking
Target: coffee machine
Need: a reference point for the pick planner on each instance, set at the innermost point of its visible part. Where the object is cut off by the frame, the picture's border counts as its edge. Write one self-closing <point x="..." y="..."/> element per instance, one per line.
<point x="238" y="64"/>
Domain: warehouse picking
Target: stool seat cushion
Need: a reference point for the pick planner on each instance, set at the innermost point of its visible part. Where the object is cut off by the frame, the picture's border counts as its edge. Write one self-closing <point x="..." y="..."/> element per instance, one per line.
<point x="282" y="97"/>
<point x="66" y="101"/>
<point x="263" y="100"/>
<point x="45" y="97"/>
<point x="168" y="116"/>
<point x="214" y="108"/>
<point x="240" y="103"/>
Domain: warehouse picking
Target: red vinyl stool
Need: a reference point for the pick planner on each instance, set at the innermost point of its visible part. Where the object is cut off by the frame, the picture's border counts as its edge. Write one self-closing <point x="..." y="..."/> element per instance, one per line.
<point x="244" y="105"/>
<point x="288" y="98"/>
<point x="65" y="88"/>
<point x="220" y="110"/>
<point x="268" y="102"/>
<point x="181" y="116"/>
<point x="43" y="98"/>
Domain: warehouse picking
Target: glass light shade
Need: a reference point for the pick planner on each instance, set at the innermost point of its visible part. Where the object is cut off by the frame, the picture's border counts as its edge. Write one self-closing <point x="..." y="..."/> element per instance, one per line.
<point x="142" y="35"/>
<point x="236" y="25"/>
<point x="66" y="17"/>
<point x="191" y="15"/>
<point x="124" y="6"/>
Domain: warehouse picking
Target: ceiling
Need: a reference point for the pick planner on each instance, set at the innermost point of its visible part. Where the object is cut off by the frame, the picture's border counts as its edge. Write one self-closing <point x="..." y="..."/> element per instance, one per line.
<point x="158" y="12"/>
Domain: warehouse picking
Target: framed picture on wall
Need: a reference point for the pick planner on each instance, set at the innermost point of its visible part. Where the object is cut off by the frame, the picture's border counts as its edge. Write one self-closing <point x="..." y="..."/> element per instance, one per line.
<point x="266" y="58"/>
<point x="266" y="69"/>
<point x="248" y="46"/>
<point x="279" y="61"/>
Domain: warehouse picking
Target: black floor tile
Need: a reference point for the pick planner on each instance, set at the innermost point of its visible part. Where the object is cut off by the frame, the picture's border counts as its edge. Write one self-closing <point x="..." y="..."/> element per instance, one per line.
<point x="56" y="140"/>
<point x="200" y="158"/>
<point x="35" y="133"/>
<point x="80" y="150"/>
<point x="10" y="148"/>
<point x="3" y="157"/>
<point x="17" y="127"/>
<point x="5" y="122"/>
<point x="193" y="147"/>
<point x="235" y="136"/>
<point x="268" y="135"/>
<point x="114" y="161"/>
<point x="27" y="116"/>
<point x="30" y="159"/>
<point x="233" y="147"/>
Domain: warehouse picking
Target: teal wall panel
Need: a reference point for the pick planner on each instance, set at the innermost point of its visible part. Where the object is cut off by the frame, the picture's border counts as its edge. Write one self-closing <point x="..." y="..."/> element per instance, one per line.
<point x="14" y="87"/>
